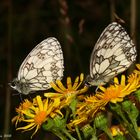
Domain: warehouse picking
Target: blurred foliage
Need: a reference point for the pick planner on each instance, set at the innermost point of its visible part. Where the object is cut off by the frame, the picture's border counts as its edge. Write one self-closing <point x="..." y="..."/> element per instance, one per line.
<point x="76" y="24"/>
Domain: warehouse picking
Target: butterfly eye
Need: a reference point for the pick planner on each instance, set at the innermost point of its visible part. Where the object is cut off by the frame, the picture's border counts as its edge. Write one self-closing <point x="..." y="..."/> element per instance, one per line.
<point x="12" y="84"/>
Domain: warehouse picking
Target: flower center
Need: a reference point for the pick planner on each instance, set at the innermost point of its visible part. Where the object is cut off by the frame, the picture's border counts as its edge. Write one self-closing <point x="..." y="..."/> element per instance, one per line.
<point x="112" y="93"/>
<point x="40" y="117"/>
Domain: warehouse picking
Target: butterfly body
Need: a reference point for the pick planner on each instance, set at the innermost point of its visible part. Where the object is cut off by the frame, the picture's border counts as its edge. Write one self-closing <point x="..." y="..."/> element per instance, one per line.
<point x="21" y="86"/>
<point x="44" y="64"/>
<point x="113" y="53"/>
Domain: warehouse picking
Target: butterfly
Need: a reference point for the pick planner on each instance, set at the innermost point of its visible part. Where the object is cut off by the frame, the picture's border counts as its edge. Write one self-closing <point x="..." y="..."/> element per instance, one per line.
<point x="113" y="53"/>
<point x="43" y="65"/>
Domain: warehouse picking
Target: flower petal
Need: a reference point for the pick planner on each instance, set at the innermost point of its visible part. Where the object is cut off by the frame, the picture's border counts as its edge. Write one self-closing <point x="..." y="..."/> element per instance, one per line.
<point x="69" y="83"/>
<point x="28" y="113"/>
<point x="45" y="105"/>
<point x="102" y="88"/>
<point x="81" y="77"/>
<point x="75" y="82"/>
<point x="58" y="89"/>
<point x="35" y="131"/>
<point x="52" y="95"/>
<point x="116" y="81"/>
<point x="123" y="80"/>
<point x="40" y="103"/>
<point x="60" y="85"/>
<point x="26" y="127"/>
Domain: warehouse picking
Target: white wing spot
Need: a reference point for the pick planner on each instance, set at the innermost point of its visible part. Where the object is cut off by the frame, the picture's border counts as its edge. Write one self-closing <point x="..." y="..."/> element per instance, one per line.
<point x="103" y="66"/>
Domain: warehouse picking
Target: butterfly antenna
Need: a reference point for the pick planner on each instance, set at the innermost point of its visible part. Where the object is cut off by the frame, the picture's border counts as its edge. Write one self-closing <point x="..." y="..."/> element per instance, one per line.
<point x="118" y="19"/>
<point x="96" y="88"/>
<point x="13" y="94"/>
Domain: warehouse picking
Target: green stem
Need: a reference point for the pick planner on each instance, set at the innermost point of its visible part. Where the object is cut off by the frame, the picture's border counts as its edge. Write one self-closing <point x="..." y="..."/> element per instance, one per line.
<point x="67" y="113"/>
<point x="73" y="108"/>
<point x="78" y="133"/>
<point x="136" y="128"/>
<point x="106" y="130"/>
<point x="128" y="126"/>
<point x="94" y="137"/>
<point x="68" y="134"/>
<point x="125" y="124"/>
<point x="59" y="134"/>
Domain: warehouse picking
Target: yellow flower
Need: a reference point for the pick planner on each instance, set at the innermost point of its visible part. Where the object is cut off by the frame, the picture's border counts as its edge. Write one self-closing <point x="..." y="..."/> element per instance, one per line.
<point x="134" y="80"/>
<point x="20" y="116"/>
<point x="69" y="92"/>
<point x="87" y="109"/>
<point x="117" y="92"/>
<point x="38" y="113"/>
<point x="117" y="130"/>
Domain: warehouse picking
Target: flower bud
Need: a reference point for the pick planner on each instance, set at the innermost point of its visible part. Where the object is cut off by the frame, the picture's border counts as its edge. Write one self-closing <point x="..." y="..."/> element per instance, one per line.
<point x="88" y="131"/>
<point x="100" y="121"/>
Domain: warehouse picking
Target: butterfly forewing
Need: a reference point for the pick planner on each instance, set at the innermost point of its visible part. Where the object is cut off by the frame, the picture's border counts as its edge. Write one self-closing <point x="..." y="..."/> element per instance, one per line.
<point x="43" y="65"/>
<point x="113" y="53"/>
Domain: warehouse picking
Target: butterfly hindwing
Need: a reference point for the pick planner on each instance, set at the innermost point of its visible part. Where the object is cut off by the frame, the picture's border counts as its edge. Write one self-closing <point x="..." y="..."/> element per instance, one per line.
<point x="113" y="53"/>
<point x="43" y="65"/>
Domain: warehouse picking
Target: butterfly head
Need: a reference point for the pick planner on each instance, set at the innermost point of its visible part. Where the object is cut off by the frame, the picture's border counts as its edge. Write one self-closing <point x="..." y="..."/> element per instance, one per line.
<point x="13" y="84"/>
<point x="19" y="86"/>
<point x="87" y="81"/>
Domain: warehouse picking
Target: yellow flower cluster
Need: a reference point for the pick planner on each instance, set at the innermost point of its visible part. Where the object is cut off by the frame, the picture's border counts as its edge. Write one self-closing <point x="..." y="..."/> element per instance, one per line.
<point x="37" y="112"/>
<point x="114" y="93"/>
<point x="67" y="94"/>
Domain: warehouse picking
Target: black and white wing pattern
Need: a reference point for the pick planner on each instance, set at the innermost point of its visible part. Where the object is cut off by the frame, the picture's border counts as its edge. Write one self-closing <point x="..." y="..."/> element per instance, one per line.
<point x="113" y="53"/>
<point x="43" y="65"/>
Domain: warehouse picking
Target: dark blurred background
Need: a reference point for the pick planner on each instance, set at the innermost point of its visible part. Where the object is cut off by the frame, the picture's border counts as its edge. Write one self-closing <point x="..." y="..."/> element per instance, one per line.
<point x="77" y="24"/>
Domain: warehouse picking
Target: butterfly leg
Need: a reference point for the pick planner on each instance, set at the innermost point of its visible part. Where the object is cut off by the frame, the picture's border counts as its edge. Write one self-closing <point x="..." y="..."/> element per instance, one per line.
<point x="96" y="88"/>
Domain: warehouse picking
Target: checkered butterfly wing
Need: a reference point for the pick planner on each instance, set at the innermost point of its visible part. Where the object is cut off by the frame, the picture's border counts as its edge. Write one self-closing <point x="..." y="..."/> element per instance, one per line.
<point x="113" y="53"/>
<point x="43" y="65"/>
